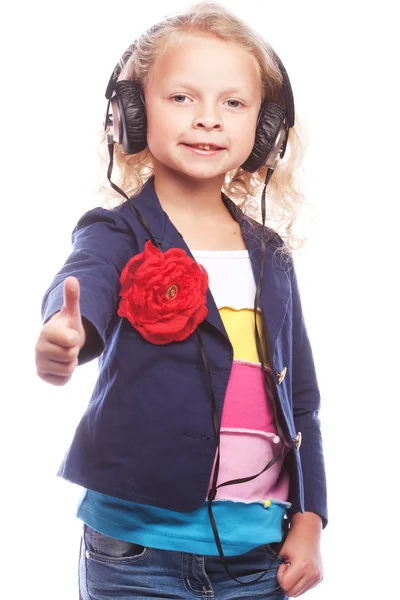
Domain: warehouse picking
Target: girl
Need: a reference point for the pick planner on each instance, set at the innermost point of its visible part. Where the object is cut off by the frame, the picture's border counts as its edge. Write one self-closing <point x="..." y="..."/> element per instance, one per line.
<point x="200" y="451"/>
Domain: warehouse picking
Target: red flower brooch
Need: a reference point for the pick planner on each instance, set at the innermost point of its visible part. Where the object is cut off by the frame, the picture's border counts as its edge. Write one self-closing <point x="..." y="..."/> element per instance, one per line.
<point x="163" y="294"/>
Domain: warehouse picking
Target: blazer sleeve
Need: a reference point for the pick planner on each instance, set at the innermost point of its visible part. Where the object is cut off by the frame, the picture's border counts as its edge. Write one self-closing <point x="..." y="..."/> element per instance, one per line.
<point x="102" y="243"/>
<point x="306" y="407"/>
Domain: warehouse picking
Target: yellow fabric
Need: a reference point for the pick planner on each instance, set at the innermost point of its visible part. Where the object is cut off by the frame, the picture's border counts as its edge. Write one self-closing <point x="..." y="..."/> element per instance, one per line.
<point x="239" y="325"/>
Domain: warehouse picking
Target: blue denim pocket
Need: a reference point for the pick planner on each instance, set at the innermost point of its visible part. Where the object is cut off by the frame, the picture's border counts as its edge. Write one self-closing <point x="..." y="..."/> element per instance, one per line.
<point x="276" y="558"/>
<point x="102" y="548"/>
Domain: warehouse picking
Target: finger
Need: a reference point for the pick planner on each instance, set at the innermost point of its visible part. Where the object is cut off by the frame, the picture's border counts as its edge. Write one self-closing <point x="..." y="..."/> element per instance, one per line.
<point x="71" y="297"/>
<point x="288" y="576"/>
<point x="54" y="379"/>
<point x="302" y="586"/>
<point x="312" y="582"/>
<point x="281" y="571"/>
<point x="58" y="334"/>
<point x="316" y="581"/>
<point x="49" y="367"/>
<point x="55" y="352"/>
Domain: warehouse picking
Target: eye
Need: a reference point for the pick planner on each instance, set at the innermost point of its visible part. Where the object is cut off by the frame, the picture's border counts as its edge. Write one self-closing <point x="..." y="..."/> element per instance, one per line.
<point x="237" y="103"/>
<point x="179" y="98"/>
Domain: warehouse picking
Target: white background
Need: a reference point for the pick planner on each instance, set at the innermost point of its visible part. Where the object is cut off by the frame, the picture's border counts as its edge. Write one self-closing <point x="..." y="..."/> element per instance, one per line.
<point x="342" y="58"/>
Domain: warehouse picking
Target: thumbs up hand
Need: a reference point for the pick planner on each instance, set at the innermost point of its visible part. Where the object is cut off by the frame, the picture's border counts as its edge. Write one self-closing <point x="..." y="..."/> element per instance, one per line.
<point x="61" y="339"/>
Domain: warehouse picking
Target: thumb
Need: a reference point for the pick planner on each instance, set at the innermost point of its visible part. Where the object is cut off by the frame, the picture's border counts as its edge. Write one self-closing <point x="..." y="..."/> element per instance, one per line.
<point x="282" y="572"/>
<point x="71" y="298"/>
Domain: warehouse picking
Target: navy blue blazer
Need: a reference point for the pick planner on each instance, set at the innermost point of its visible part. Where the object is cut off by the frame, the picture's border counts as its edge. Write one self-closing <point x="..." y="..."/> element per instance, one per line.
<point x="147" y="433"/>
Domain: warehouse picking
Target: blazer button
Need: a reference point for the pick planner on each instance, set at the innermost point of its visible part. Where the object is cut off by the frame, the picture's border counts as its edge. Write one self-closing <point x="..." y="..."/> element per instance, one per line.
<point x="280" y="375"/>
<point x="297" y="440"/>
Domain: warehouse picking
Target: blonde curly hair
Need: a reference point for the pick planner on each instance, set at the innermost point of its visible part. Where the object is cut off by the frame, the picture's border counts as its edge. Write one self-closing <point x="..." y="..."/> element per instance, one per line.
<point x="283" y="197"/>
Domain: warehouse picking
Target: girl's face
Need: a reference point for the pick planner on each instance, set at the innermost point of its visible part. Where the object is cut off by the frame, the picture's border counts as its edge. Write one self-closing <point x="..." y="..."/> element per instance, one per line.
<point x="204" y="91"/>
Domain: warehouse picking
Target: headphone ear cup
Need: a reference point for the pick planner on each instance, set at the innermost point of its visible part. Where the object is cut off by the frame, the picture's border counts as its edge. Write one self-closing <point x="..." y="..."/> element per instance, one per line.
<point x="269" y="125"/>
<point x="132" y="124"/>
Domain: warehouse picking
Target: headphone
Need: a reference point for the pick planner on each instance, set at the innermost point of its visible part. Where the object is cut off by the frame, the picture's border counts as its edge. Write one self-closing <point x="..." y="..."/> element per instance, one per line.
<point x="129" y="123"/>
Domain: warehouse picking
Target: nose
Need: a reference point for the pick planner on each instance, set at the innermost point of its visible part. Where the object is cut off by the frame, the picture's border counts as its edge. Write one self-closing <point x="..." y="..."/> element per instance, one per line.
<point x="209" y="119"/>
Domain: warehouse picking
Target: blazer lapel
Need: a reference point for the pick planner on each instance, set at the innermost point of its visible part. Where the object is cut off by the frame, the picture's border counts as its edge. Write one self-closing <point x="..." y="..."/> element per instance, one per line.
<point x="173" y="239"/>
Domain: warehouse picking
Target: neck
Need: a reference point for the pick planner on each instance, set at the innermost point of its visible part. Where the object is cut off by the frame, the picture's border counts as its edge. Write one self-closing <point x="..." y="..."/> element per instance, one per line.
<point x="197" y="198"/>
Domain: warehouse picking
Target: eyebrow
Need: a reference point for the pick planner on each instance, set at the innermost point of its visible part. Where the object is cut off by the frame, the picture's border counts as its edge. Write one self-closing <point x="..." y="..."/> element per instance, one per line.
<point x="231" y="90"/>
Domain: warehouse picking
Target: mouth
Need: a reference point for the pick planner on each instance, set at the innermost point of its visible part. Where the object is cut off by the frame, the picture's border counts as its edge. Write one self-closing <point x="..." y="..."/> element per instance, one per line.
<point x="204" y="148"/>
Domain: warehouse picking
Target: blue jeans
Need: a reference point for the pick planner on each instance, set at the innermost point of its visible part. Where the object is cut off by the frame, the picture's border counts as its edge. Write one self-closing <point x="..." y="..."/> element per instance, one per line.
<point x="110" y="568"/>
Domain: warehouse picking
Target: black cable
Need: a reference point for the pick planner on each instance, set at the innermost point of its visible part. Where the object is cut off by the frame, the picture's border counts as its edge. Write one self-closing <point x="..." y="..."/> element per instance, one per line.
<point x="141" y="218"/>
<point x="213" y="491"/>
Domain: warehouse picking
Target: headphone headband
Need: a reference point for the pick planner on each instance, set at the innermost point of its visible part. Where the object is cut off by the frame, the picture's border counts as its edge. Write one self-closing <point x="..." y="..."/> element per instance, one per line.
<point x="287" y="92"/>
<point x="118" y="68"/>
